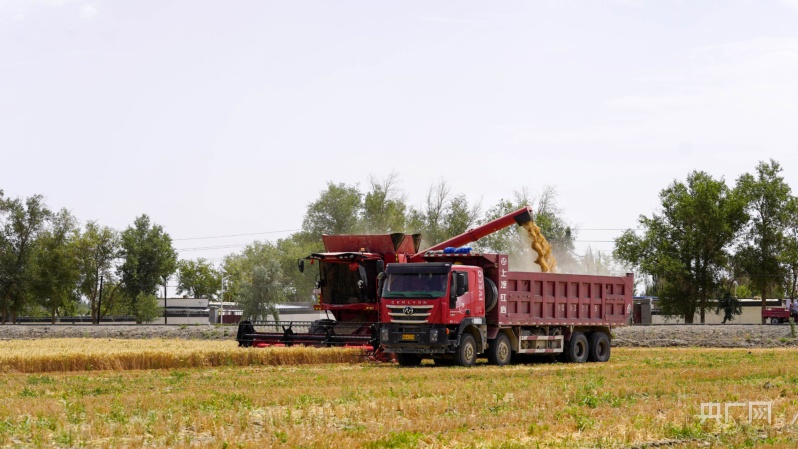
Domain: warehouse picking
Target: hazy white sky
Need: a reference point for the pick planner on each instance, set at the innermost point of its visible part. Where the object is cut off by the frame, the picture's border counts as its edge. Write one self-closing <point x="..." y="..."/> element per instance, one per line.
<point x="220" y="118"/>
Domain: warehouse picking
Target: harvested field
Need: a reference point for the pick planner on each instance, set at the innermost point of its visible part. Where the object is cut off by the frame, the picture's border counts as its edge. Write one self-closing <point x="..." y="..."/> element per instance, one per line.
<point x="643" y="397"/>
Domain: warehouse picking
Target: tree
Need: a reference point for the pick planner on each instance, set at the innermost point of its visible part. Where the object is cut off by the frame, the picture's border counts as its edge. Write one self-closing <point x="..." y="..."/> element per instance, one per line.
<point x="145" y="307"/>
<point x="197" y="278"/>
<point x="768" y="202"/>
<point x="97" y="247"/>
<point x="20" y="225"/>
<point x="56" y="269"/>
<point x="148" y="259"/>
<point x="260" y="296"/>
<point x="443" y="215"/>
<point x="789" y="256"/>
<point x="384" y="208"/>
<point x="337" y="211"/>
<point x="686" y="246"/>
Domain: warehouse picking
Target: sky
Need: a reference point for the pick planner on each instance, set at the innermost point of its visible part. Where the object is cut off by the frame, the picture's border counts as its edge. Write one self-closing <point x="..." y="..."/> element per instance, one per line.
<point x="229" y="118"/>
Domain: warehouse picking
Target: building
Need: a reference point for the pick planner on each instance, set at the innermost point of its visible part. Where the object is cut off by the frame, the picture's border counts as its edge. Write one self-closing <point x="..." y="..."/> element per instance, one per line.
<point x="646" y="312"/>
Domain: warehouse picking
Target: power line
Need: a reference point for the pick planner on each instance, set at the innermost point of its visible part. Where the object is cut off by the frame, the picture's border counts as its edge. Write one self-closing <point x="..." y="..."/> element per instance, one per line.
<point x="236" y="235"/>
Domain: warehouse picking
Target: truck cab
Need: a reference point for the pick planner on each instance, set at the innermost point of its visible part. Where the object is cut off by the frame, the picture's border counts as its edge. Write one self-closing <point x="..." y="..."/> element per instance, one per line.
<point x="433" y="308"/>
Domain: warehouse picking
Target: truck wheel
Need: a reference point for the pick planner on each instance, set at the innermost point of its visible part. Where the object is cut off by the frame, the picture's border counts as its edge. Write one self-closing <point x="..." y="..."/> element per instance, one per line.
<point x="774" y="321"/>
<point x="499" y="352"/>
<point x="408" y="359"/>
<point x="577" y="348"/>
<point x="599" y="347"/>
<point x="467" y="351"/>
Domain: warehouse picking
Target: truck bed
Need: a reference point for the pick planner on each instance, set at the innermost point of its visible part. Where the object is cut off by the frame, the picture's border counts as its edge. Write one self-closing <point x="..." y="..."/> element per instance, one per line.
<point x="544" y="299"/>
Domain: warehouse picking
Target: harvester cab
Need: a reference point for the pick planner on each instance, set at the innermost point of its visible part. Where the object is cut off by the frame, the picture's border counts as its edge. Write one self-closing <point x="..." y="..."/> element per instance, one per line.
<point x="346" y="290"/>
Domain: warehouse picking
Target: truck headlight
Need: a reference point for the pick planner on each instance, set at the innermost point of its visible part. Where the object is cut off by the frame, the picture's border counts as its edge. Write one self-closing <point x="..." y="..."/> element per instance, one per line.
<point x="385" y="334"/>
<point x="433" y="335"/>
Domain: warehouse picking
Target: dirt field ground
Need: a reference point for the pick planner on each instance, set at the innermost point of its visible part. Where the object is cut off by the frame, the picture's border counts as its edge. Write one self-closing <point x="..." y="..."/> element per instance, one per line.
<point x="710" y="336"/>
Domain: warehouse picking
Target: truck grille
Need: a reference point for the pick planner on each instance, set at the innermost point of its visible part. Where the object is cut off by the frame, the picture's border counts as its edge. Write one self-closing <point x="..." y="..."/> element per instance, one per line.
<point x="409" y="314"/>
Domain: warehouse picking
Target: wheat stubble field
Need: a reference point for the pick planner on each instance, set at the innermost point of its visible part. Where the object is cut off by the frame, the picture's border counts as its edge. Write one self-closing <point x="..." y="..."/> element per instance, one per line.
<point x="183" y="393"/>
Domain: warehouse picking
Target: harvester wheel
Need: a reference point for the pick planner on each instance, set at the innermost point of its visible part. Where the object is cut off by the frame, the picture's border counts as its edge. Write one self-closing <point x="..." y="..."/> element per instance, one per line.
<point x="576" y="350"/>
<point x="321" y="326"/>
<point x="499" y="351"/>
<point x="599" y="347"/>
<point x="408" y="359"/>
<point x="467" y="351"/>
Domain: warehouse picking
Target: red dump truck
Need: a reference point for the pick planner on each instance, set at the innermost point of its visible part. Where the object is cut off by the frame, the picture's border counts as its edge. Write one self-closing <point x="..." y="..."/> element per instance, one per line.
<point x="457" y="305"/>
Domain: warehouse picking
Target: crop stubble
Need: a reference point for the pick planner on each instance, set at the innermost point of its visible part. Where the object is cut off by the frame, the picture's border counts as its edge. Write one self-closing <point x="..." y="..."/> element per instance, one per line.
<point x="641" y="396"/>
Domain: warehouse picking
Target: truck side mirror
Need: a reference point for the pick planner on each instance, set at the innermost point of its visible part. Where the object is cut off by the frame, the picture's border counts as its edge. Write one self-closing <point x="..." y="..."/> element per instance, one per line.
<point x="462" y="283"/>
<point x="459" y="287"/>
<point x="380" y="281"/>
<point x="301" y="265"/>
<point x="380" y="266"/>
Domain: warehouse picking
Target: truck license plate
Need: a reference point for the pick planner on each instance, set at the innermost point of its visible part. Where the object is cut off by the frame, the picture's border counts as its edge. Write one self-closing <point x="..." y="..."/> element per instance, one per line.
<point x="410" y="337"/>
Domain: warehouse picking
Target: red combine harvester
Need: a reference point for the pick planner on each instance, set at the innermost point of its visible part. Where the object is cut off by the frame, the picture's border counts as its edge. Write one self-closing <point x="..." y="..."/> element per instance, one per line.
<point x="460" y="304"/>
<point x="347" y="286"/>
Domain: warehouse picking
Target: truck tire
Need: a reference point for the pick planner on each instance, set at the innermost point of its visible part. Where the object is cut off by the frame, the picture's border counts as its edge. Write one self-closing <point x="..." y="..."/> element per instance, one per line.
<point x="491" y="295"/>
<point x="408" y="359"/>
<point x="467" y="351"/>
<point x="775" y="321"/>
<point x="599" y="347"/>
<point x="576" y="349"/>
<point x="499" y="351"/>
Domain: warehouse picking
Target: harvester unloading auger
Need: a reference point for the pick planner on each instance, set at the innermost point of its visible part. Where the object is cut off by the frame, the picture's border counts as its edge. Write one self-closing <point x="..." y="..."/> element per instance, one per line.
<point x="347" y="286"/>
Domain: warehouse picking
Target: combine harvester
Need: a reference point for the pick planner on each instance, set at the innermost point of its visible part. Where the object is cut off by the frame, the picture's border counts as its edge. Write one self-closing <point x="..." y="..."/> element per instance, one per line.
<point x="347" y="288"/>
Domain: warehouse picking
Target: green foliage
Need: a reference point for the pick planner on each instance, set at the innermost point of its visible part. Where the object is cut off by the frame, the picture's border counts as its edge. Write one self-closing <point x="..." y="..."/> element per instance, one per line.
<point x="443" y="215"/>
<point x="769" y="204"/>
<point x="239" y="267"/>
<point x="730" y="306"/>
<point x="685" y="247"/>
<point x="145" y="308"/>
<point x="260" y="297"/>
<point x="337" y="211"/>
<point x="197" y="278"/>
<point x="20" y="225"/>
<point x="55" y="269"/>
<point x="384" y="208"/>
<point x="96" y="248"/>
<point x="149" y="259"/>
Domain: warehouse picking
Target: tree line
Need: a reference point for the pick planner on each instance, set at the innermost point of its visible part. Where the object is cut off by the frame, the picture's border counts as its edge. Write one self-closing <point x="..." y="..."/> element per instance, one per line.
<point x="51" y="265"/>
<point x="710" y="243"/>
<point x="707" y="245"/>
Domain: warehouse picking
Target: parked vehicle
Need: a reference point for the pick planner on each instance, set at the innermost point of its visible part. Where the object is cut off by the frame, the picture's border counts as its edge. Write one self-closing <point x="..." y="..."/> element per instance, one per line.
<point x="776" y="314"/>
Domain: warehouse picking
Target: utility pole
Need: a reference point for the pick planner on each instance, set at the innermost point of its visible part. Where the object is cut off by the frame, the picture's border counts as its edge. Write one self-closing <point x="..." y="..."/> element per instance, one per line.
<point x="100" y="300"/>
<point x="164" y="301"/>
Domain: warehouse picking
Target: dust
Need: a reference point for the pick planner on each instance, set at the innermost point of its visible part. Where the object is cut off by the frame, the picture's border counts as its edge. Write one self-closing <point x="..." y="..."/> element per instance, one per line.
<point x="545" y="259"/>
